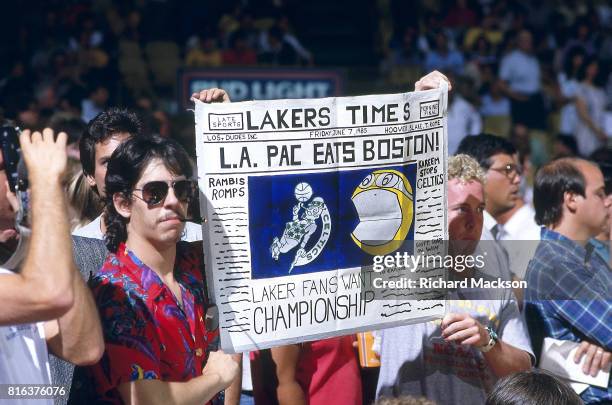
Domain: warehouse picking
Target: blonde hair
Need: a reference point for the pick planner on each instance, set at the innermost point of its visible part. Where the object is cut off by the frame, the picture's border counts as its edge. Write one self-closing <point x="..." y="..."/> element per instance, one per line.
<point x="84" y="204"/>
<point x="465" y="168"/>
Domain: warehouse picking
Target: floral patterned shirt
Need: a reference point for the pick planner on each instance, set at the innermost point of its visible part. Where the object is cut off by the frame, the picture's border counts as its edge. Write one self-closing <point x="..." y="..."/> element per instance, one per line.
<point x="147" y="334"/>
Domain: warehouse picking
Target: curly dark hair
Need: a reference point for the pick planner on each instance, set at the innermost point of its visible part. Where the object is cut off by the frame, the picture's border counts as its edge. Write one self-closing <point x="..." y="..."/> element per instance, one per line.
<point x="106" y="124"/>
<point x="125" y="168"/>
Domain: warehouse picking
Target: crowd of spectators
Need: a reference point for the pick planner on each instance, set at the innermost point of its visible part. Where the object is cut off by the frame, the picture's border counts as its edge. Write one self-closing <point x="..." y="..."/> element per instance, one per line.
<point x="537" y="67"/>
<point x="73" y="59"/>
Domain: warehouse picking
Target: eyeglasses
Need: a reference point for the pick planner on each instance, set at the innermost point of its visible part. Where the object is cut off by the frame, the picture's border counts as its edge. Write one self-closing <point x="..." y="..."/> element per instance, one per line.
<point x="155" y="192"/>
<point x="510" y="170"/>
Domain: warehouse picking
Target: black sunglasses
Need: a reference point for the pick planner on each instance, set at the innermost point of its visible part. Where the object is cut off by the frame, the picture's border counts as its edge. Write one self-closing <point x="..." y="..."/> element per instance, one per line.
<point x="155" y="192"/>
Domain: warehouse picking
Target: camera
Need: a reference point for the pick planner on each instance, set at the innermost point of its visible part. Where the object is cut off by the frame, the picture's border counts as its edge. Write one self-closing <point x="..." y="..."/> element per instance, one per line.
<point x="14" y="166"/>
<point x="11" y="153"/>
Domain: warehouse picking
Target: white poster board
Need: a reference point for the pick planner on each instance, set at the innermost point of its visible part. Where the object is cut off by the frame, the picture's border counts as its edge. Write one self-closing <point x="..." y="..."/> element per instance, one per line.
<point x="298" y="198"/>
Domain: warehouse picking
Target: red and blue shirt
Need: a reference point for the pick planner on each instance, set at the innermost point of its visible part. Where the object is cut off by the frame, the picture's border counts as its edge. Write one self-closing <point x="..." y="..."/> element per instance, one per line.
<point x="147" y="334"/>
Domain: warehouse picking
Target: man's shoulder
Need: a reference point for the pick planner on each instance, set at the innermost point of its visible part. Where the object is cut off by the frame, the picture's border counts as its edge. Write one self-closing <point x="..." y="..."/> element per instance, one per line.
<point x="522" y="225"/>
<point x="91" y="230"/>
<point x="548" y="257"/>
<point x="558" y="271"/>
<point x="117" y="282"/>
<point x="89" y="254"/>
<point x="509" y="57"/>
<point x="463" y="106"/>
<point x="517" y="59"/>
<point x="111" y="272"/>
<point x="560" y="252"/>
<point x="84" y="242"/>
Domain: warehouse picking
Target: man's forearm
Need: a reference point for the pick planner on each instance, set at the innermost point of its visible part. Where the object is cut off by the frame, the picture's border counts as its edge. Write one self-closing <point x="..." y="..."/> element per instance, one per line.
<point x="599" y="310"/>
<point x="290" y="393"/>
<point x="196" y="391"/>
<point x="49" y="257"/>
<point x="505" y="359"/>
<point x="43" y="289"/>
<point x="510" y="93"/>
<point x="79" y="333"/>
<point x="286" y="360"/>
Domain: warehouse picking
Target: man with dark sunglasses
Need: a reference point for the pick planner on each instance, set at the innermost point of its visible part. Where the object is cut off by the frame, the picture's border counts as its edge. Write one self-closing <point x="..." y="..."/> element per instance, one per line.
<point x="151" y="291"/>
<point x="103" y="135"/>
<point x="154" y="192"/>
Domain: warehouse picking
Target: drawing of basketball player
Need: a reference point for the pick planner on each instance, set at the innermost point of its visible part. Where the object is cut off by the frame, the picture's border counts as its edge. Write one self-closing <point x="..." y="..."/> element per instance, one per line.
<point x="299" y="230"/>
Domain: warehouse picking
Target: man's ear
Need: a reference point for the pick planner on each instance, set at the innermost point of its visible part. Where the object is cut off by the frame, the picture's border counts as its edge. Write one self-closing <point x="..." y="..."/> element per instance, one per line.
<point x="570" y="201"/>
<point x="122" y="205"/>
<point x="90" y="180"/>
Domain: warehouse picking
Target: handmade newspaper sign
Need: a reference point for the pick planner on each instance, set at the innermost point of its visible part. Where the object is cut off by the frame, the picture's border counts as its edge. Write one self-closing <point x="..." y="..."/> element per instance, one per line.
<point x="302" y="197"/>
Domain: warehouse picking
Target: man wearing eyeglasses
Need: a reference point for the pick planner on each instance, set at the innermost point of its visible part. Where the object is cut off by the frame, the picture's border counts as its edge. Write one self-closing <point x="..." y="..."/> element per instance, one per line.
<point x="497" y="157"/>
<point x="151" y="292"/>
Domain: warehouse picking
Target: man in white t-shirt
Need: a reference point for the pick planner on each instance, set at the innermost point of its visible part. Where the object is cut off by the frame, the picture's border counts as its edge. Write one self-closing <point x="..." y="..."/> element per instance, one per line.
<point x="480" y="339"/>
<point x="497" y="157"/>
<point x="23" y="355"/>
<point x="507" y="218"/>
<point x="46" y="305"/>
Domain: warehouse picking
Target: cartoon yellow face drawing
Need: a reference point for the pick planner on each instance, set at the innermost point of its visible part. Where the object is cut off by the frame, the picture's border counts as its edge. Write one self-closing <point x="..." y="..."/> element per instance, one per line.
<point x="384" y="203"/>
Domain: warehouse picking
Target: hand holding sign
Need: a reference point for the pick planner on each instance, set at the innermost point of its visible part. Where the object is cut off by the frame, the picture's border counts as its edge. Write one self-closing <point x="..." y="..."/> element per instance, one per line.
<point x="431" y="80"/>
<point x="213" y="95"/>
<point x="223" y="367"/>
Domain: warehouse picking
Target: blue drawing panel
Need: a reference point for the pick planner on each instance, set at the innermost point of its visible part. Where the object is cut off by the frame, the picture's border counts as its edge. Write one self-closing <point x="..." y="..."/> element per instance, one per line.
<point x="271" y="202"/>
